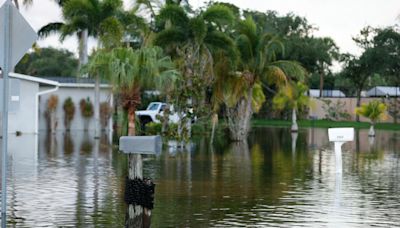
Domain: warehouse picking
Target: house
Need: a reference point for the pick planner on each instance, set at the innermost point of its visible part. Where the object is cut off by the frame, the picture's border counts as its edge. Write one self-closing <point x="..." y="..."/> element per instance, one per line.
<point x="24" y="102"/>
<point x="384" y="91"/>
<point x="326" y="93"/>
<point x="29" y="95"/>
<point x="77" y="89"/>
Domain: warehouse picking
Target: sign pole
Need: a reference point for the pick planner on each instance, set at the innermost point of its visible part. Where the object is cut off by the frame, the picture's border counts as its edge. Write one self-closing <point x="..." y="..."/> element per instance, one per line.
<point x="5" y="71"/>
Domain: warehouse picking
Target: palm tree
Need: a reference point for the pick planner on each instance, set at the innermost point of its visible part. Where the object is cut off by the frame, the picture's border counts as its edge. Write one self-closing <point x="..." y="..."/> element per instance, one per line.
<point x="132" y="70"/>
<point x="374" y="111"/>
<point x="96" y="18"/>
<point x="292" y="96"/>
<point x="257" y="67"/>
<point x="193" y="42"/>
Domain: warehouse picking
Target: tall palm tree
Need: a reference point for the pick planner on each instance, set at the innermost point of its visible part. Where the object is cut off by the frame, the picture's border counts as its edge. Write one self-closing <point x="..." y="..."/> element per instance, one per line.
<point x="257" y="67"/>
<point x="193" y="41"/>
<point x="96" y="18"/>
<point x="293" y="96"/>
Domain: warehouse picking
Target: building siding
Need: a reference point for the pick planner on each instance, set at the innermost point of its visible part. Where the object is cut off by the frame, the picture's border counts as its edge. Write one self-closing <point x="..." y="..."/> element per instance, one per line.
<point x="76" y="93"/>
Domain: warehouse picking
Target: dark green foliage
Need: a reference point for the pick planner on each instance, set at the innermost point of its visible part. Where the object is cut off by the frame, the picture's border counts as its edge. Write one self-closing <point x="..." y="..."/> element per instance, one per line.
<point x="69" y="112"/>
<point x="48" y="62"/>
<point x="86" y="107"/>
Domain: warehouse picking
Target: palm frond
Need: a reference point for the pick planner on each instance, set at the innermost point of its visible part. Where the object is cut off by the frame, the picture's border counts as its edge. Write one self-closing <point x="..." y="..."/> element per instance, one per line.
<point x="219" y="14"/>
<point x="292" y="69"/>
<point x="50" y="28"/>
<point x="174" y="14"/>
<point x="169" y="37"/>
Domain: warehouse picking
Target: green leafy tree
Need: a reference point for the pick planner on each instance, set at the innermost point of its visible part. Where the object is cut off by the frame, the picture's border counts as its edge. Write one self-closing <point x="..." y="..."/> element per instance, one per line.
<point x="316" y="54"/>
<point x="374" y="111"/>
<point x="258" y="65"/>
<point x="47" y="62"/>
<point x="358" y="70"/>
<point x="194" y="41"/>
<point x="292" y="96"/>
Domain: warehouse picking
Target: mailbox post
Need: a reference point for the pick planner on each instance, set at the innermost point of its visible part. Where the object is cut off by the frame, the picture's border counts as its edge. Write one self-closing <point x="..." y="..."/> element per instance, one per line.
<point x="139" y="191"/>
<point x="339" y="136"/>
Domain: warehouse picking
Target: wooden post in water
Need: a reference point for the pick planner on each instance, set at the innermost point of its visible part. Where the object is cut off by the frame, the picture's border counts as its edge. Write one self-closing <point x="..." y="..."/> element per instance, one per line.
<point x="138" y="215"/>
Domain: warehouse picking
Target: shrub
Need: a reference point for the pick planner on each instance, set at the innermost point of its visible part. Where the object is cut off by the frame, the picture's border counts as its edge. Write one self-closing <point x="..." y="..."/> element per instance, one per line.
<point x="69" y="112"/>
<point x="86" y="107"/>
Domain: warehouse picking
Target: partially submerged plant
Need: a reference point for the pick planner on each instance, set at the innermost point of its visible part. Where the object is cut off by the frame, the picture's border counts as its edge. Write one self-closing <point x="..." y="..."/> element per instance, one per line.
<point x="292" y="96"/>
<point x="52" y="104"/>
<point x="105" y="114"/>
<point x="69" y="112"/>
<point x="87" y="112"/>
<point x="374" y="111"/>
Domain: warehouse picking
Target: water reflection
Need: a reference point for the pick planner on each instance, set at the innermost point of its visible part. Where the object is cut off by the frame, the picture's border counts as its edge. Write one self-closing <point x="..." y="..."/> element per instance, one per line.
<point x="274" y="179"/>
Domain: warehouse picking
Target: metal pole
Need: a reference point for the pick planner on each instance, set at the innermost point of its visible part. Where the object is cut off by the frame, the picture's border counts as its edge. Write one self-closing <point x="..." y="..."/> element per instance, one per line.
<point x="5" y="71"/>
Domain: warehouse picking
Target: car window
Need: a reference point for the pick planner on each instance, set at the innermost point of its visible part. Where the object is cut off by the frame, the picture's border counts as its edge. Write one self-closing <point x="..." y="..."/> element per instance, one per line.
<point x="153" y="107"/>
<point x="162" y="108"/>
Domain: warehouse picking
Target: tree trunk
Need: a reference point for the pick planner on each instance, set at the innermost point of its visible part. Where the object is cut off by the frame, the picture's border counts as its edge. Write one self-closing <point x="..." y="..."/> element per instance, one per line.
<point x="295" y="128"/>
<point x="371" y="132"/>
<point x="358" y="104"/>
<point x="239" y="118"/>
<point x="321" y="83"/>
<point x="131" y="121"/>
<point x="214" y="121"/>
<point x="165" y="119"/>
<point x="83" y="49"/>
<point x="97" y="107"/>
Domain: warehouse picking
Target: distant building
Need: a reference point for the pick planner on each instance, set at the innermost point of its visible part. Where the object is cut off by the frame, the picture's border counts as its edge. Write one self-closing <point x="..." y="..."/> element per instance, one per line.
<point x="326" y="93"/>
<point x="384" y="91"/>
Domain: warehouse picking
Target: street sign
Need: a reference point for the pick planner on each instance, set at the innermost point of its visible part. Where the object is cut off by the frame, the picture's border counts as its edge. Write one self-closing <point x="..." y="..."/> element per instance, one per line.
<point x="21" y="38"/>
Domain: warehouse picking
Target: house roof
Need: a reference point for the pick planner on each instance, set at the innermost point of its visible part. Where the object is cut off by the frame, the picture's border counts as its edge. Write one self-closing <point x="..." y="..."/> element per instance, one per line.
<point x="380" y="91"/>
<point x="34" y="79"/>
<point x="326" y="93"/>
<point x="77" y="82"/>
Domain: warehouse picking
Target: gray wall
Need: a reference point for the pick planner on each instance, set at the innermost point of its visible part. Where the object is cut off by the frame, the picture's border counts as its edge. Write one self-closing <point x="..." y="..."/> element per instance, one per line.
<point x="76" y="93"/>
<point x="23" y="119"/>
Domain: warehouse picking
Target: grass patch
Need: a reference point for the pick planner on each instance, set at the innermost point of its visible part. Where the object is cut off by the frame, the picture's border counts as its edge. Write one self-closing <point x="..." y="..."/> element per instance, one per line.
<point x="323" y="124"/>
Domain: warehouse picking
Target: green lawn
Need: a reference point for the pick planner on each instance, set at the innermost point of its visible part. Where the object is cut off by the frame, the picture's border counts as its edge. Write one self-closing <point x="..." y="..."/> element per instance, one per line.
<point x="323" y="124"/>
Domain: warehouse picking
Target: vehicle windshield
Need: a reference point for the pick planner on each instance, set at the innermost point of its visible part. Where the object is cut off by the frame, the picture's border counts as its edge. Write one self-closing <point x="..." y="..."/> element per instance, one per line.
<point x="153" y="107"/>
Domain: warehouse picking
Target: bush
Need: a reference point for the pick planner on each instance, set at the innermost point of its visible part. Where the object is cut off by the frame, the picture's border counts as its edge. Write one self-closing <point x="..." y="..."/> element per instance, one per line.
<point x="69" y="112"/>
<point x="86" y="107"/>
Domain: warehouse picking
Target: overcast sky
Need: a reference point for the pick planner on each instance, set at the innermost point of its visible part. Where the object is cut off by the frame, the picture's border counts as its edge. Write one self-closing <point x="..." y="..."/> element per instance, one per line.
<point x="339" y="19"/>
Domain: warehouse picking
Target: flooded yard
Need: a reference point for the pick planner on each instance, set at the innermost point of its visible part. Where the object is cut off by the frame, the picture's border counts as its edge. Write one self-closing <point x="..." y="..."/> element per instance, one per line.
<point x="275" y="179"/>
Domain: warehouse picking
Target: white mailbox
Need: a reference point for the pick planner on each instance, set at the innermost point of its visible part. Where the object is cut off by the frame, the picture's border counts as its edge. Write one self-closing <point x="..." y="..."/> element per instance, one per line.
<point x="341" y="134"/>
<point x="140" y="144"/>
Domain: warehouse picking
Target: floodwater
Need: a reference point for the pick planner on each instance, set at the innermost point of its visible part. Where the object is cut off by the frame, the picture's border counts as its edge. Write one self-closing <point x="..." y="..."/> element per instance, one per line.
<point x="276" y="179"/>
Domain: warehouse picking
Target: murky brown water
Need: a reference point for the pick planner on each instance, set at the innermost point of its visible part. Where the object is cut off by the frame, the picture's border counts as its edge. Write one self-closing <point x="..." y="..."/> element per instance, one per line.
<point x="74" y="181"/>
